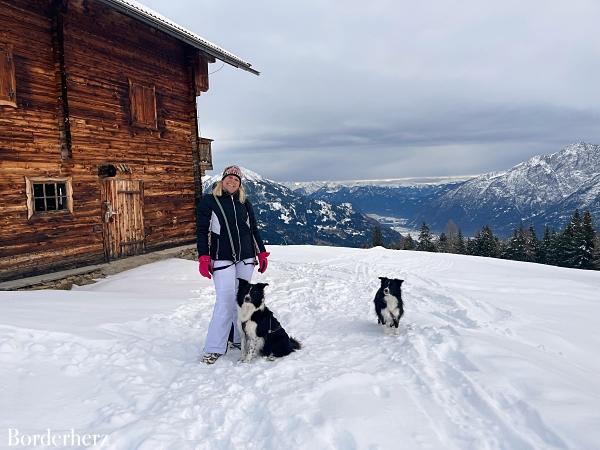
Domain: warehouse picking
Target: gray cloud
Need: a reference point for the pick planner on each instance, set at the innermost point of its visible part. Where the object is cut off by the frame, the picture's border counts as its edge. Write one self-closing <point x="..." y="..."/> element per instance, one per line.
<point x="396" y="89"/>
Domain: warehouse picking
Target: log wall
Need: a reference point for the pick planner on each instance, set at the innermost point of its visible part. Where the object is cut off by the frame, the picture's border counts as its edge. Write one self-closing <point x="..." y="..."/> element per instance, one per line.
<point x="103" y="49"/>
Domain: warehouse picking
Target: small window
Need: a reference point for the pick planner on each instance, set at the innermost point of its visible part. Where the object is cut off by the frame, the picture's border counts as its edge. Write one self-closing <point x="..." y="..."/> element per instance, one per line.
<point x="8" y="85"/>
<point x="143" y="105"/>
<point x="48" y="195"/>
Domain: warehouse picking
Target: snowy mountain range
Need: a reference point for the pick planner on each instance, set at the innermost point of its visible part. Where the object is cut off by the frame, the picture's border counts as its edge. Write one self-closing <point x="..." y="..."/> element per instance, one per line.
<point x="542" y="190"/>
<point x="288" y="217"/>
<point x="405" y="202"/>
<point x="310" y="187"/>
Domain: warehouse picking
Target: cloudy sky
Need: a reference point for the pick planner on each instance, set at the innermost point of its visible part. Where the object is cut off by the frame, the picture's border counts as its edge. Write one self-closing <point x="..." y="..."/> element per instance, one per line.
<point x="395" y="88"/>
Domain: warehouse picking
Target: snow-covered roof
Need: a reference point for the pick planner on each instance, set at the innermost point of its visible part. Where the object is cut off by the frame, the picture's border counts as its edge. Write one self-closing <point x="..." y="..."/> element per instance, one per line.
<point x="141" y="12"/>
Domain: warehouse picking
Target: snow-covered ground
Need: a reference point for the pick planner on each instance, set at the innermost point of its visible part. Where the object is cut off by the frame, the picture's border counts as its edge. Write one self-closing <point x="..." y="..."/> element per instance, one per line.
<point x="491" y="354"/>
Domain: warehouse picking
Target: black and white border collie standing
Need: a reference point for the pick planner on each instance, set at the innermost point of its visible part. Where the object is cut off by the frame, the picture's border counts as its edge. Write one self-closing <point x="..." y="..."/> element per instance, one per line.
<point x="261" y="332"/>
<point x="388" y="302"/>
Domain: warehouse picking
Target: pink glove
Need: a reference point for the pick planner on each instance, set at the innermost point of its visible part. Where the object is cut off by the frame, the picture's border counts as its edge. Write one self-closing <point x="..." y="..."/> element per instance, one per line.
<point x="262" y="261"/>
<point x="205" y="267"/>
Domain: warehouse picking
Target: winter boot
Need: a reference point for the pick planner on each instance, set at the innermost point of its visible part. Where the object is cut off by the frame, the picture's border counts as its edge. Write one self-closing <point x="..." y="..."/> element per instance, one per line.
<point x="210" y="358"/>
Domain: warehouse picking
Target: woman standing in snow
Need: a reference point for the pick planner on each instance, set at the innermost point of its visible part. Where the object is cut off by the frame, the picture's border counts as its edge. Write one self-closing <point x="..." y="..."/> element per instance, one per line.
<point x="228" y="245"/>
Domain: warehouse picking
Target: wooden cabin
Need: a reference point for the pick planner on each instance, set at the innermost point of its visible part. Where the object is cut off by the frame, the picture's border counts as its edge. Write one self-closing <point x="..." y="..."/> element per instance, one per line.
<point x="100" y="156"/>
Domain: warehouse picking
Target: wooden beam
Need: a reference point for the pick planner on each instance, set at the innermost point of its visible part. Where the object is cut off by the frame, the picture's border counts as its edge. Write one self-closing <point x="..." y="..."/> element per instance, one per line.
<point x="59" y="8"/>
<point x="191" y="56"/>
<point x="201" y="72"/>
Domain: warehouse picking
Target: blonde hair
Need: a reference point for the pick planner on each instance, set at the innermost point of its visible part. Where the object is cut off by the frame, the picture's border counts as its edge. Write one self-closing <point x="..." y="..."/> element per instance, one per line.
<point x="218" y="191"/>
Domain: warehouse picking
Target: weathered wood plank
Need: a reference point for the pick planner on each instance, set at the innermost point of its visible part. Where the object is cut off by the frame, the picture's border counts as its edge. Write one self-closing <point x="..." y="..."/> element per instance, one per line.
<point x="97" y="63"/>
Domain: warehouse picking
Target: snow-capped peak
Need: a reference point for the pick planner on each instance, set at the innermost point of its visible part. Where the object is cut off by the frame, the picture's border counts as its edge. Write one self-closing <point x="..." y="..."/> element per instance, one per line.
<point x="247" y="174"/>
<point x="289" y="217"/>
<point x="251" y="175"/>
<point x="529" y="191"/>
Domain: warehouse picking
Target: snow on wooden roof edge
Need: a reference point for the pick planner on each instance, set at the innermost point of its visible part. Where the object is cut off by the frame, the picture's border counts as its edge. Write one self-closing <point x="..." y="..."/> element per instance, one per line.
<point x="141" y="12"/>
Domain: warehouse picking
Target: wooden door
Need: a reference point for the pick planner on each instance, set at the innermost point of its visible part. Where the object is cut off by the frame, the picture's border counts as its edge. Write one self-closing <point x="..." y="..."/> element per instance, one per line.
<point x="123" y="217"/>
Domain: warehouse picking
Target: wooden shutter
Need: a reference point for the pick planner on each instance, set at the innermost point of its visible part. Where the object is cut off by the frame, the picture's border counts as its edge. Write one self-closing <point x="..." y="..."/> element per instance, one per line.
<point x="143" y="105"/>
<point x="201" y="73"/>
<point x="150" y="106"/>
<point x="8" y="85"/>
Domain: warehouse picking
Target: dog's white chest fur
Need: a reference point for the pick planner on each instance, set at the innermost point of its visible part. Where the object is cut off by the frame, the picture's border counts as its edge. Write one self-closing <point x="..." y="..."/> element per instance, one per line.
<point x="251" y="343"/>
<point x="246" y="311"/>
<point x="391" y="310"/>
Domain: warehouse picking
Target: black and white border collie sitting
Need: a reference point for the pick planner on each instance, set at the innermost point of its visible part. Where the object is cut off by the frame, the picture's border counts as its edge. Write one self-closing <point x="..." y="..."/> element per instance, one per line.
<point x="261" y="332"/>
<point x="388" y="302"/>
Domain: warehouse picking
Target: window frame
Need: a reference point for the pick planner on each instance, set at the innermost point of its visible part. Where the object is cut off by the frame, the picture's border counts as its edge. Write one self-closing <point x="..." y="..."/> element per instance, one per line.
<point x="30" y="181"/>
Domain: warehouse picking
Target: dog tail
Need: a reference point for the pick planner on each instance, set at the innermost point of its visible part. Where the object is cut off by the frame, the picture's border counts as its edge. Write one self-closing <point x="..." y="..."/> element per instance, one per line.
<point x="295" y="344"/>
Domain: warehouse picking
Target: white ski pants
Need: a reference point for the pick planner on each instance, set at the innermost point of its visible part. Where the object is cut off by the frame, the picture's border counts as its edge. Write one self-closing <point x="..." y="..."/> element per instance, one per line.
<point x="225" y="311"/>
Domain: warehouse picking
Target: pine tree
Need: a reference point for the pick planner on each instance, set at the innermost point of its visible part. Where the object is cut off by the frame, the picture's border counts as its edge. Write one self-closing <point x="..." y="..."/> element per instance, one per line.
<point x="576" y="246"/>
<point x="443" y="245"/>
<point x="522" y="246"/>
<point x="503" y="251"/>
<point x="425" y="243"/>
<point x="460" y="246"/>
<point x="555" y="248"/>
<point x="408" y="243"/>
<point x="546" y="251"/>
<point x="565" y="245"/>
<point x="596" y="253"/>
<point x="377" y="239"/>
<point x="515" y="247"/>
<point x="471" y="244"/>
<point x="532" y="245"/>
<point x="452" y="236"/>
<point x="485" y="243"/>
<point x="588" y="242"/>
<point x="489" y="243"/>
<point x="571" y="244"/>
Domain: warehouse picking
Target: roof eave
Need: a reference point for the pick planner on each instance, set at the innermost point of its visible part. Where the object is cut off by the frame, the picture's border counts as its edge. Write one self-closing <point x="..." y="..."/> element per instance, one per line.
<point x="180" y="35"/>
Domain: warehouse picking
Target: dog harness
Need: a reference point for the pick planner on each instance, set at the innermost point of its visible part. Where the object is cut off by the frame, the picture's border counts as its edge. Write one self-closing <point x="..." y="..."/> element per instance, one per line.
<point x="271" y="325"/>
